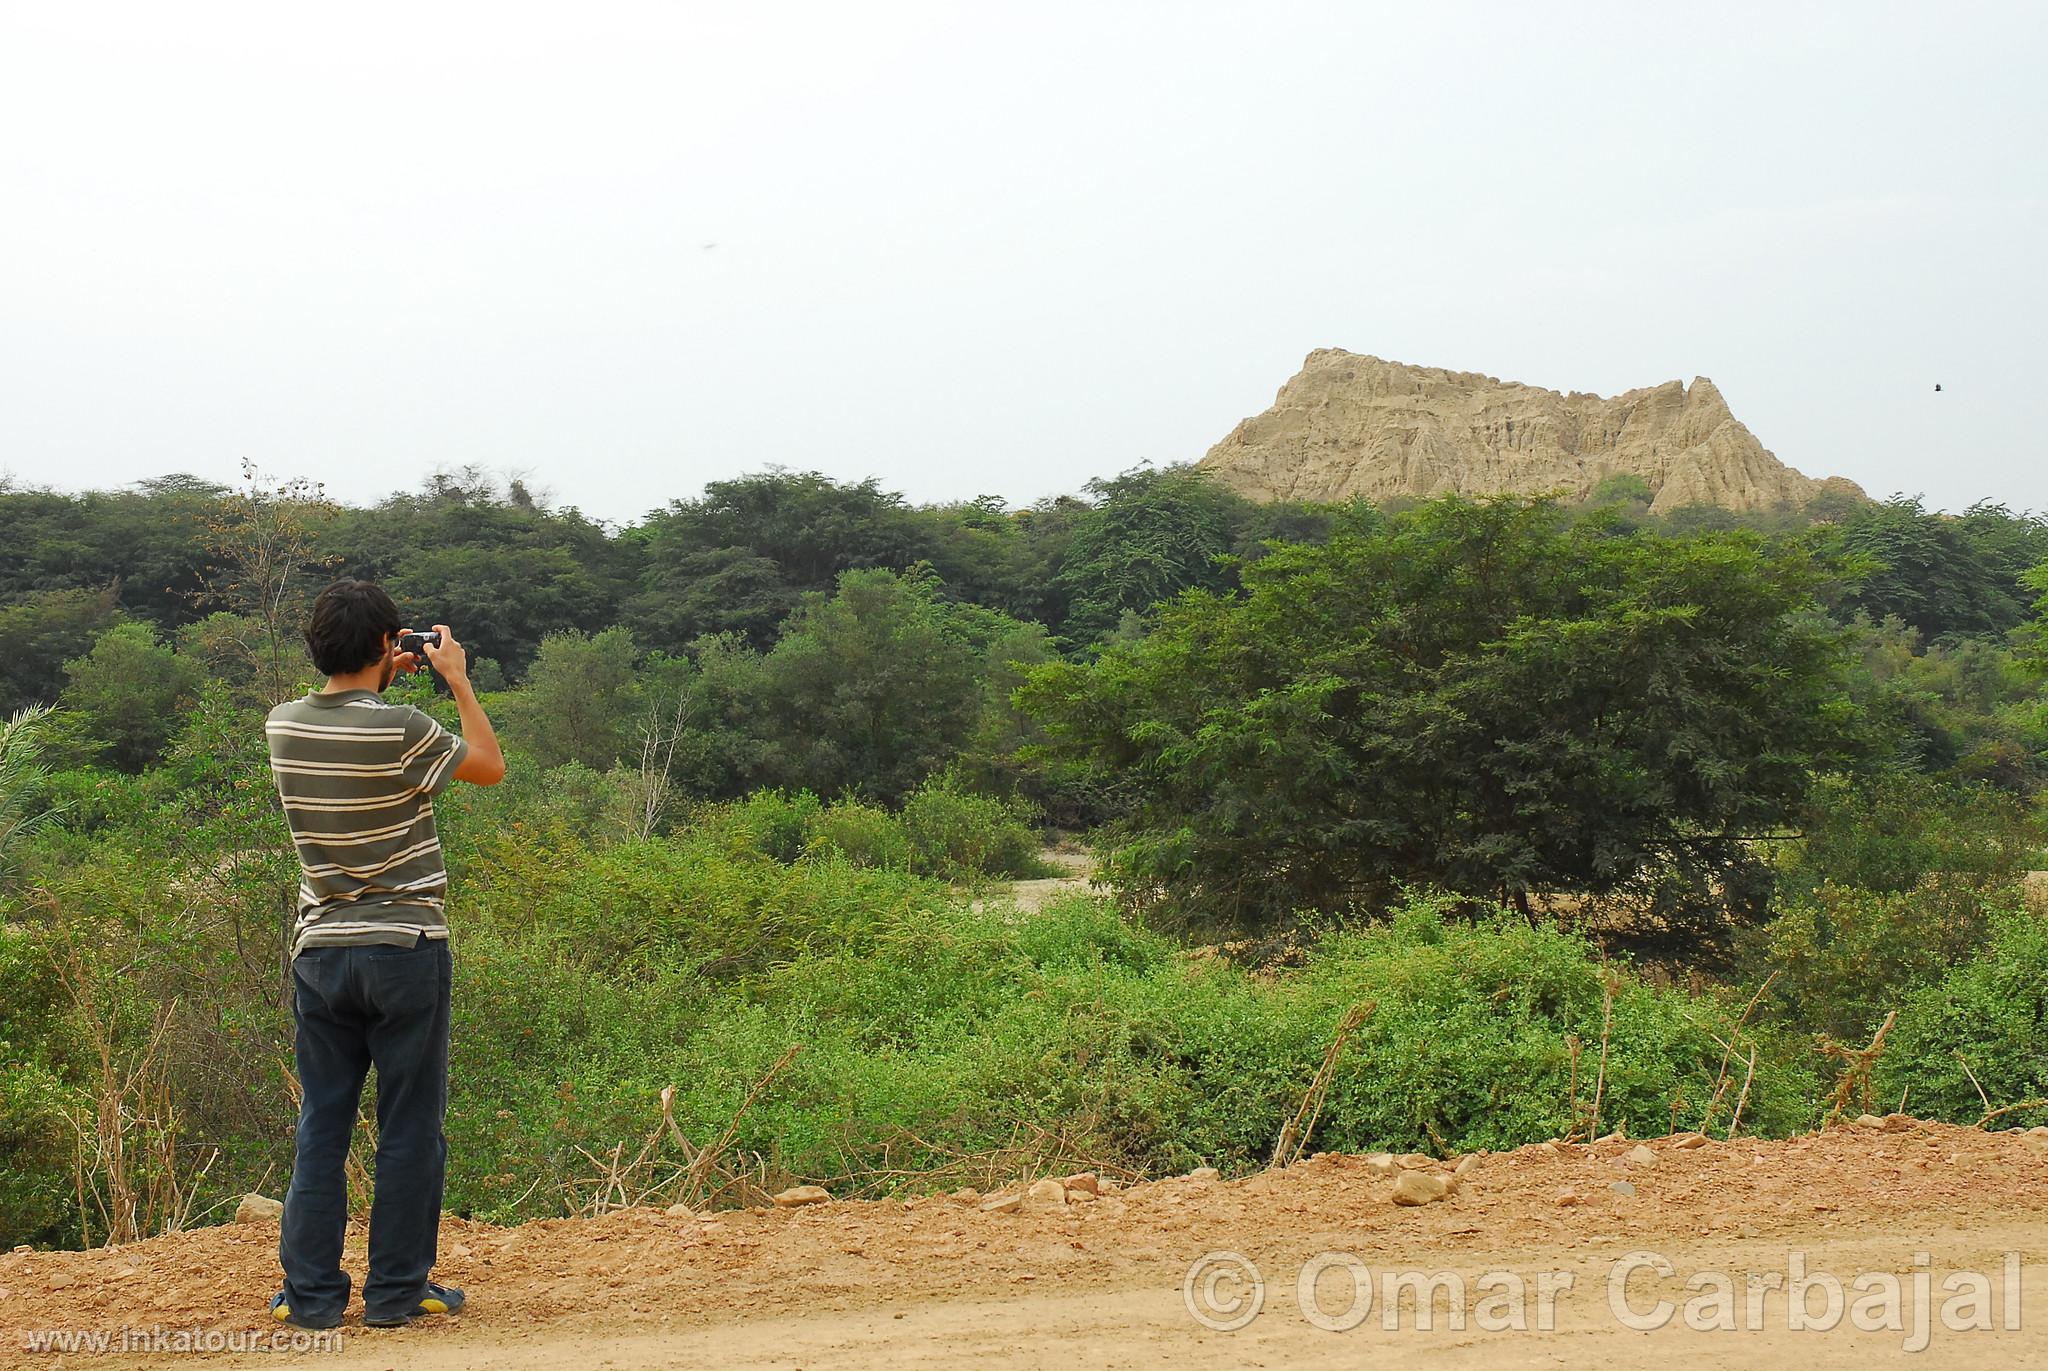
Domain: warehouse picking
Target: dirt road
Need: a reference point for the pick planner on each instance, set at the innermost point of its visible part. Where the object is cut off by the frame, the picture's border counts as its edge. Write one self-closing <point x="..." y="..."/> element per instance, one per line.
<point x="1105" y="1282"/>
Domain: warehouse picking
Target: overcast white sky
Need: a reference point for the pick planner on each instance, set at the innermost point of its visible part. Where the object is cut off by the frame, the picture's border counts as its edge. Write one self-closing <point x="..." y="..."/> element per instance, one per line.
<point x="995" y="248"/>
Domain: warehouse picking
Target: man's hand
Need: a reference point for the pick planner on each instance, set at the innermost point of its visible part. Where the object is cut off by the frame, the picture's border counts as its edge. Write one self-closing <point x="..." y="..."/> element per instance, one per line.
<point x="448" y="658"/>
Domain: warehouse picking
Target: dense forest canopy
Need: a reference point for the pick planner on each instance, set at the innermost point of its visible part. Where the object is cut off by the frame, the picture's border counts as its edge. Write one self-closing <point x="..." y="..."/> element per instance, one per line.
<point x="512" y="570"/>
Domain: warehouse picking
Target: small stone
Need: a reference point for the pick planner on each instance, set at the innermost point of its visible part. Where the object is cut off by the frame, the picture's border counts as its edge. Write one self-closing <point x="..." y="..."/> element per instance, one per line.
<point x="1047" y="1192"/>
<point x="1686" y="1142"/>
<point x="1381" y="1164"/>
<point x="966" y="1194"/>
<point x="2039" y="1130"/>
<point x="1108" y="1187"/>
<point x="1205" y="1173"/>
<point x="680" y="1211"/>
<point x="1004" y="1204"/>
<point x="60" y="1280"/>
<point x="2034" y="1142"/>
<point x="256" y="1208"/>
<point x="1869" y="1121"/>
<point x="1084" y="1181"/>
<point x="1567" y="1197"/>
<point x="1900" y="1123"/>
<point x="1639" y="1155"/>
<point x="1618" y="1135"/>
<point x="1748" y="1230"/>
<point x="1623" y="1189"/>
<point x="1415" y="1161"/>
<point x="1419" y="1187"/>
<point x="1466" y="1165"/>
<point x="798" y="1196"/>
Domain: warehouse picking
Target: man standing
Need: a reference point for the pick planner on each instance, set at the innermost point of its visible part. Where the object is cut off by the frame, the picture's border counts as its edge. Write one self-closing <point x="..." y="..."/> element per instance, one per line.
<point x="370" y="966"/>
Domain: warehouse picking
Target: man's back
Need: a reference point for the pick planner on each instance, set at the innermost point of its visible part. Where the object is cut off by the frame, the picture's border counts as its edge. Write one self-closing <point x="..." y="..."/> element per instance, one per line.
<point x="357" y="777"/>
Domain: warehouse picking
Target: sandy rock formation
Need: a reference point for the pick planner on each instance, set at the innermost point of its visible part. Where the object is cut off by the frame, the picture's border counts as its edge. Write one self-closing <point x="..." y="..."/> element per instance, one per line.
<point x="1349" y="425"/>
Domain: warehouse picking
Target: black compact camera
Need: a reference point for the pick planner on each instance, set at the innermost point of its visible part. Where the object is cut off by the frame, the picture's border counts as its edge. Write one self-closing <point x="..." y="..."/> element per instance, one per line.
<point x="413" y="642"/>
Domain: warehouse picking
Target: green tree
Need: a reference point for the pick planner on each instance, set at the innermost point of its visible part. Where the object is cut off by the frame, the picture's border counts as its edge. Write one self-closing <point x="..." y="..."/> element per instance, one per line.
<point x="1151" y="535"/>
<point x="1944" y="575"/>
<point x="42" y="631"/>
<point x="129" y="692"/>
<point x="2033" y="635"/>
<point x="262" y="539"/>
<point x="739" y="559"/>
<point x="1490" y="697"/>
<point x="579" y="702"/>
<point x="873" y="688"/>
<point x="496" y="564"/>
<point x="148" y="543"/>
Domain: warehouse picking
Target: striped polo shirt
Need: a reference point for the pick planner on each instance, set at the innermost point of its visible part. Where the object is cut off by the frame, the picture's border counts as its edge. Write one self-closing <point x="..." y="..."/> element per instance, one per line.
<point x="358" y="778"/>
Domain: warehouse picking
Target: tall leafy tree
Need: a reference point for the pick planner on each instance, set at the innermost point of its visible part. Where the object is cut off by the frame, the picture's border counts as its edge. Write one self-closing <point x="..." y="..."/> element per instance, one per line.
<point x="1944" y="575"/>
<point x="1151" y="535"/>
<point x="739" y="559"/>
<point x="1491" y="697"/>
<point x="43" y="630"/>
<point x="875" y="687"/>
<point x="130" y="693"/>
<point x="580" y="701"/>
<point x="496" y="564"/>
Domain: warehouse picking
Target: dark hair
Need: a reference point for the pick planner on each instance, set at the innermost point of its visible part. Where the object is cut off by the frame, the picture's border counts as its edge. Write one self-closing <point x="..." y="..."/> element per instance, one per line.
<point x="345" y="632"/>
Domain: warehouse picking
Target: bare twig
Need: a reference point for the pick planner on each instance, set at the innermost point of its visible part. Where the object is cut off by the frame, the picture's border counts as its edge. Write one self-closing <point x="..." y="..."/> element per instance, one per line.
<point x="1722" y="1080"/>
<point x="1295" y="1135"/>
<point x="1743" y="1099"/>
<point x="1973" y="1081"/>
<point x="1999" y="1113"/>
<point x="619" y="1181"/>
<point x="1571" y="1041"/>
<point x="1857" y="1063"/>
<point x="1606" y="1026"/>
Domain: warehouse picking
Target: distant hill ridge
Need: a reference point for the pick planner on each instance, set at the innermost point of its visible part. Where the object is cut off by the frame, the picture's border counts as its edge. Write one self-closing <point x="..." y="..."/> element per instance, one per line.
<point x="1349" y="425"/>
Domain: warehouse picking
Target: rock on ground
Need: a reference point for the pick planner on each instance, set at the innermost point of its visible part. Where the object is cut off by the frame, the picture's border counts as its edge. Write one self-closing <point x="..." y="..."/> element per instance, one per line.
<point x="256" y="1208"/>
<point x="1419" y="1187"/>
<point x="1047" y="1191"/>
<point x="798" y="1196"/>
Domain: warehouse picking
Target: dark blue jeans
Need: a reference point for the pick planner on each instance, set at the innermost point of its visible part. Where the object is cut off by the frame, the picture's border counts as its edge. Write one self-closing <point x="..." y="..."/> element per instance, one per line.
<point x="355" y="1006"/>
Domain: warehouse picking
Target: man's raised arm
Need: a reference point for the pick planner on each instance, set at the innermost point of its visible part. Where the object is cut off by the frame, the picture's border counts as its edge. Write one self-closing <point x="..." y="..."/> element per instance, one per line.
<point x="483" y="763"/>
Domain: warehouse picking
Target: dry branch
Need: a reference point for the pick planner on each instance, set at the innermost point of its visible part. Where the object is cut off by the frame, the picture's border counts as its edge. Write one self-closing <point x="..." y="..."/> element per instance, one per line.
<point x="1294" y="1137"/>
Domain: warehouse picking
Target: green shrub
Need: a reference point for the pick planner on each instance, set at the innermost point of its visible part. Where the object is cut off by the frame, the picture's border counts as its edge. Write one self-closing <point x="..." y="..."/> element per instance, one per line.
<point x="1890" y="831"/>
<point x="771" y="823"/>
<point x="1987" y="1017"/>
<point x="863" y="834"/>
<point x="1844" y="957"/>
<point x="937" y="1044"/>
<point x="957" y="835"/>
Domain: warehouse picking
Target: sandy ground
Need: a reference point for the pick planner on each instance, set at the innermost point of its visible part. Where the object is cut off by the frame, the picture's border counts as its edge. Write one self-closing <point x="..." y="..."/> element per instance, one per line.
<point x="932" y="1283"/>
<point x="1033" y="895"/>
